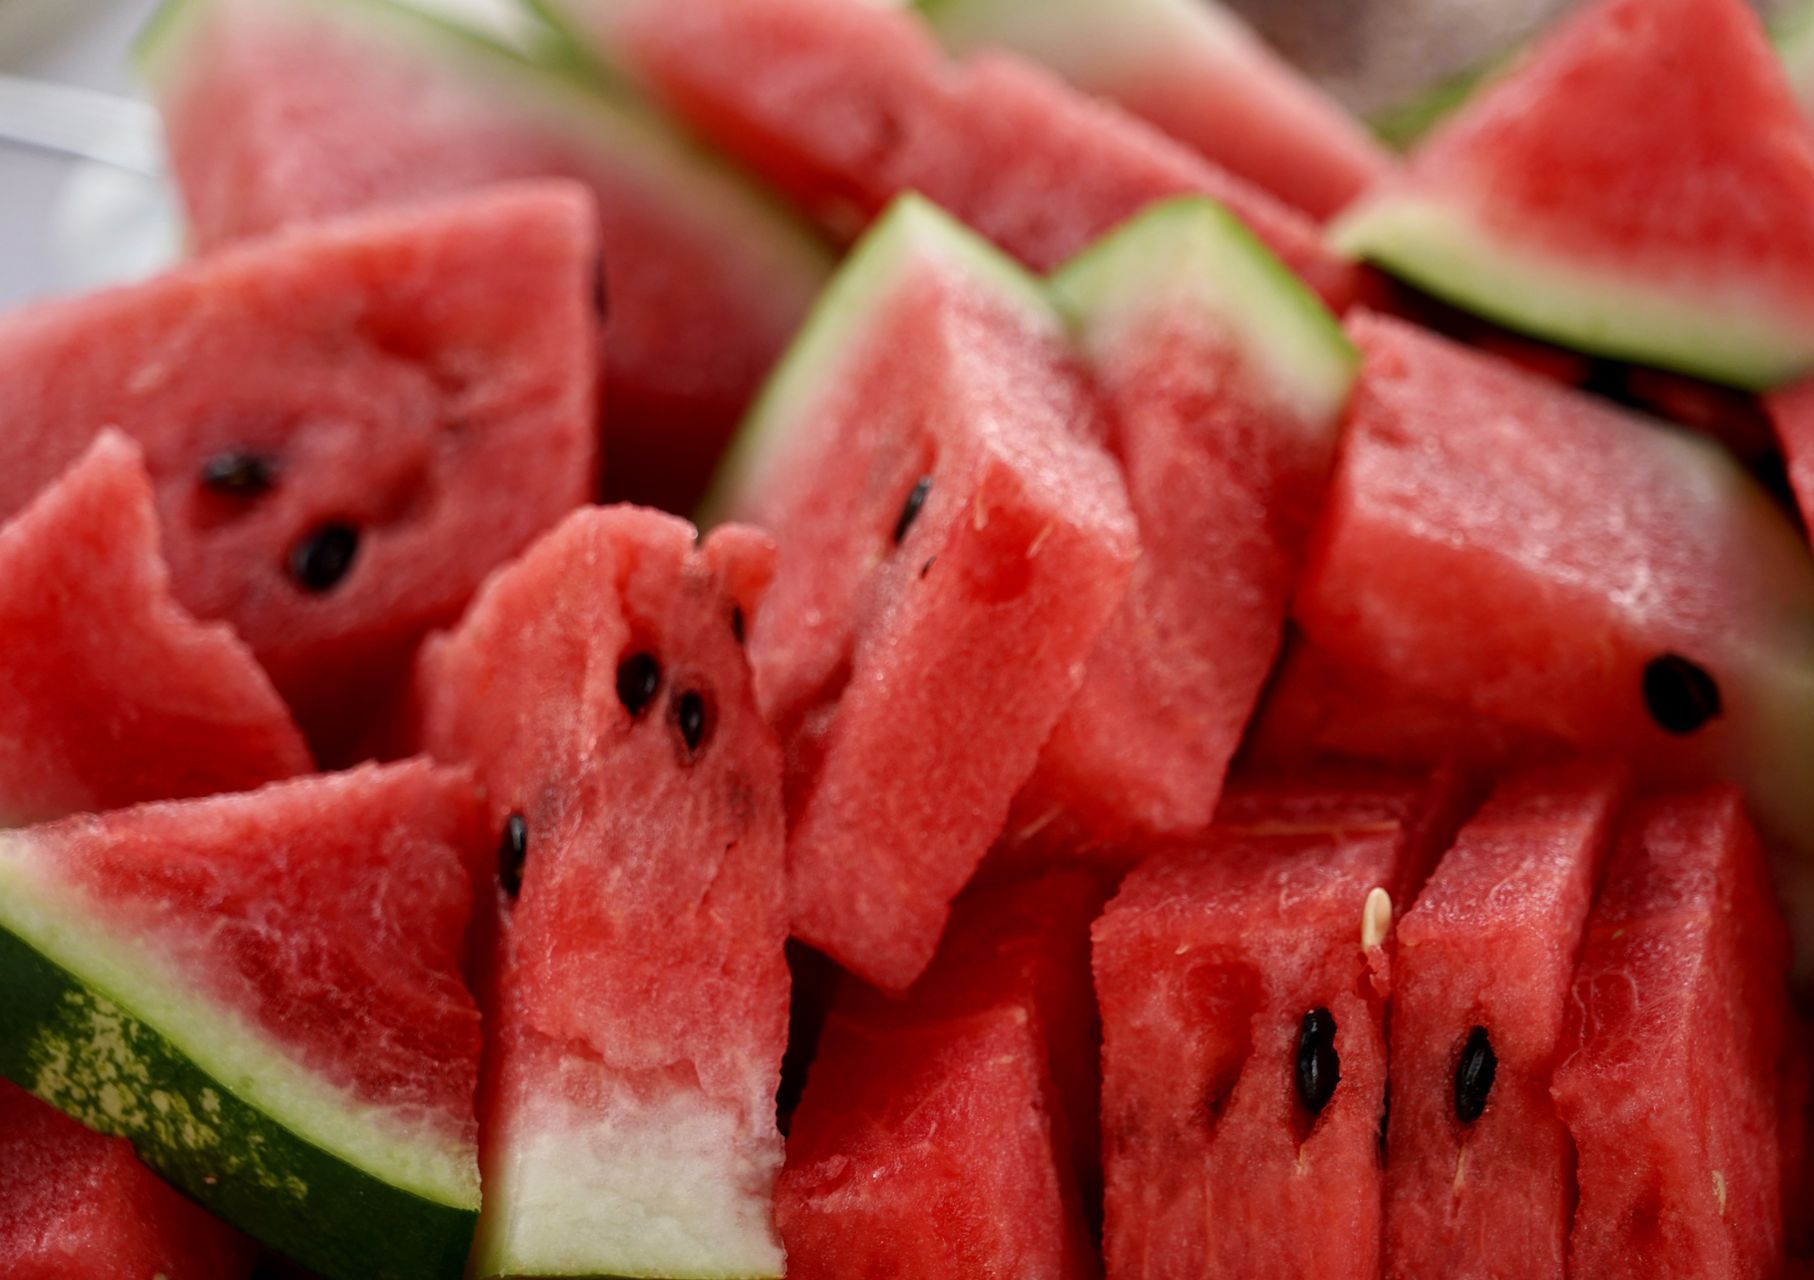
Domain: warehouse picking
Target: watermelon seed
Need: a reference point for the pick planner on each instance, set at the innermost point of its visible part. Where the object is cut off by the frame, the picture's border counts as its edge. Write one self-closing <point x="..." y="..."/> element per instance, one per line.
<point x="689" y="715"/>
<point x="513" y="851"/>
<point x="322" y="559"/>
<point x="601" y="294"/>
<point x="242" y="474"/>
<point x="638" y="678"/>
<point x="1319" y="1068"/>
<point x="737" y="623"/>
<point x="1474" y="1076"/>
<point x="910" y="510"/>
<point x="1680" y="694"/>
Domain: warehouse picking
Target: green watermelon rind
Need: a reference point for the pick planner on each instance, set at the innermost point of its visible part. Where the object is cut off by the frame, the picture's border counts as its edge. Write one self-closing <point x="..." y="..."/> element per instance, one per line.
<point x="1085" y="40"/>
<point x="550" y="89"/>
<point x="98" y="1032"/>
<point x="1793" y="34"/>
<point x="1437" y="246"/>
<point x="1193" y="250"/>
<point x="910" y="231"/>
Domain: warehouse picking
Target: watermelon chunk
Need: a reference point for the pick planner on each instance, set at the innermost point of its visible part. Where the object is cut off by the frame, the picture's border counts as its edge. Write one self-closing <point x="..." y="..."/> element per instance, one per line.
<point x="1224" y="381"/>
<point x="1244" y="1052"/>
<point x="1479" y="1174"/>
<point x="346" y="427"/>
<point x="599" y="689"/>
<point x="938" y="1134"/>
<point x="1485" y="526"/>
<point x="1792" y="415"/>
<point x="262" y="992"/>
<point x="283" y="111"/>
<point x="76" y="1204"/>
<point x="1675" y="1024"/>
<point x="845" y="106"/>
<point x="951" y="545"/>
<point x="1674" y="231"/>
<point x="111" y="693"/>
<point x="1193" y="70"/>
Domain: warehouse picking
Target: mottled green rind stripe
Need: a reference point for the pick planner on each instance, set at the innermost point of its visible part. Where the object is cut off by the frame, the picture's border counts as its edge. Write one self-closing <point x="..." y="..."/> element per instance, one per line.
<point x="90" y="1058"/>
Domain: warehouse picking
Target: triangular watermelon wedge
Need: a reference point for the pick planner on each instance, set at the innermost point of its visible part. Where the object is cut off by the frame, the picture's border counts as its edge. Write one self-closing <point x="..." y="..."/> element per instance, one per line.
<point x="111" y="693"/>
<point x="599" y="688"/>
<point x="262" y="991"/>
<point x="1641" y="186"/>
<point x="346" y="426"/>
<point x="286" y="111"/>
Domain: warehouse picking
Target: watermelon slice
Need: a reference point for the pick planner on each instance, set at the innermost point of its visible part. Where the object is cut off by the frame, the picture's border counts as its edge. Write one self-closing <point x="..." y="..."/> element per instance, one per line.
<point x="345" y="427"/>
<point x="937" y="1136"/>
<point x="1675" y="1023"/>
<point x="951" y="547"/>
<point x="1792" y="414"/>
<point x="111" y="693"/>
<point x="1244" y="1056"/>
<point x="76" y="1204"/>
<point x="1225" y="382"/>
<point x="1675" y="231"/>
<point x="845" y="106"/>
<point x="280" y="111"/>
<point x="1478" y="1166"/>
<point x="262" y="991"/>
<point x="1193" y="70"/>
<point x="1484" y="525"/>
<point x="599" y="688"/>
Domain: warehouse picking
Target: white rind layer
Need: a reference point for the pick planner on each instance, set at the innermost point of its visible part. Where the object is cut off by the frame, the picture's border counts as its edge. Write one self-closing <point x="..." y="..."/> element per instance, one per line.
<point x="655" y="1181"/>
<point x="1716" y="328"/>
<point x="156" y="985"/>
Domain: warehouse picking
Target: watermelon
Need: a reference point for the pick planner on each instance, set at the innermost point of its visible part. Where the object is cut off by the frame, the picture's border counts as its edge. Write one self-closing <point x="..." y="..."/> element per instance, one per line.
<point x="111" y="693"/>
<point x="76" y="1204"/>
<point x="951" y="543"/>
<point x="938" y="1135"/>
<point x="262" y="992"/>
<point x="1224" y="381"/>
<point x="285" y="111"/>
<point x="1675" y="231"/>
<point x="1241" y="981"/>
<point x="1485" y="525"/>
<point x="1479" y="1174"/>
<point x="346" y="427"/>
<point x="1193" y="70"/>
<point x="1792" y="415"/>
<point x="599" y="689"/>
<point x="845" y="106"/>
<point x="1668" y="1079"/>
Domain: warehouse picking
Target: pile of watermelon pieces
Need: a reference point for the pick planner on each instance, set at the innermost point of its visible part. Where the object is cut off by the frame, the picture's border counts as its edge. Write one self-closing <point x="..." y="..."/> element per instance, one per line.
<point x="1238" y="704"/>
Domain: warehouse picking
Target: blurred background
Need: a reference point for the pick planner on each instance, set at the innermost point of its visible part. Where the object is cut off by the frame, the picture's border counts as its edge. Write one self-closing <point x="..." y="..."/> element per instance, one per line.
<point x="81" y="203"/>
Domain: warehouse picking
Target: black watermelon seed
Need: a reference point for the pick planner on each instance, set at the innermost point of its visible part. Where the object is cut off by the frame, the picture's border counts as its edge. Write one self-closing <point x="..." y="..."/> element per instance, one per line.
<point x="1474" y="1076"/>
<point x="513" y="851"/>
<point x="241" y="473"/>
<point x="1680" y="695"/>
<point x="322" y="559"/>
<point x="638" y="678"/>
<point x="689" y="715"/>
<point x="1319" y="1069"/>
<point x="910" y="510"/>
<point x="601" y="293"/>
<point x="737" y="623"/>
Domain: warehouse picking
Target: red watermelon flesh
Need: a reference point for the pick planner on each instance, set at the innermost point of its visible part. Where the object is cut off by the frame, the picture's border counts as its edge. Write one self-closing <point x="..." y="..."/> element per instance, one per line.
<point x="1218" y="968"/>
<point x="951" y="546"/>
<point x="1224" y="381"/>
<point x="1549" y="561"/>
<point x="845" y="106"/>
<point x="1639" y="187"/>
<point x="279" y="112"/>
<point x="413" y="390"/>
<point x="599" y="689"/>
<point x="111" y="694"/>
<point x="1195" y="71"/>
<point x="1792" y="414"/>
<point x="1668" y="1082"/>
<point x="1479" y="1182"/>
<point x="78" y="1206"/>
<point x="937" y="1136"/>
